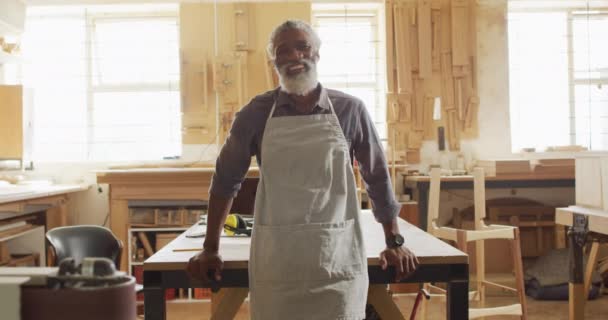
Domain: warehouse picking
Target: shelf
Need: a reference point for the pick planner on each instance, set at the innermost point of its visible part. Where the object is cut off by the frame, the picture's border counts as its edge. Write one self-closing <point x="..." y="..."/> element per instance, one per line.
<point x="133" y="263"/>
<point x="31" y="229"/>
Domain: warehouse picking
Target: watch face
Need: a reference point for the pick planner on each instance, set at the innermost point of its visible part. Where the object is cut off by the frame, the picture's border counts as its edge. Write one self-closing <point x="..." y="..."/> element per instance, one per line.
<point x="399" y="240"/>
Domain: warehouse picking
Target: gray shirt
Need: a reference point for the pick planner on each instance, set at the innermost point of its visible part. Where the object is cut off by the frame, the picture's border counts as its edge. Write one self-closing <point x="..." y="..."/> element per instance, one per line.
<point x="245" y="141"/>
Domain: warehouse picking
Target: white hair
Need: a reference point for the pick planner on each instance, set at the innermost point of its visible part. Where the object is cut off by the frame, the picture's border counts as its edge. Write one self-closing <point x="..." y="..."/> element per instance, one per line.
<point x="289" y="25"/>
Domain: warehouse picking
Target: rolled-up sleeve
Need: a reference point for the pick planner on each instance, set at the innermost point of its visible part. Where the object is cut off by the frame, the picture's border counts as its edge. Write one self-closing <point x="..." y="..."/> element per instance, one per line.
<point x="234" y="159"/>
<point x="374" y="170"/>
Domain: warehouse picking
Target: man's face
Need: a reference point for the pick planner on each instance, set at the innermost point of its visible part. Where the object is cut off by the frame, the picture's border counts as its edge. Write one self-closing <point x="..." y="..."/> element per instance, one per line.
<point x="296" y="61"/>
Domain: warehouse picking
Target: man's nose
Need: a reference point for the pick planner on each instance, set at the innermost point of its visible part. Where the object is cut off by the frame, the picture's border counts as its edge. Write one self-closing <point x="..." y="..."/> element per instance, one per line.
<point x="295" y="54"/>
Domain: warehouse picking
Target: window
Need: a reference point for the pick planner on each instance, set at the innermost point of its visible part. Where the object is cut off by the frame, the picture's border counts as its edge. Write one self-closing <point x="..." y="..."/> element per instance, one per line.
<point x="105" y="82"/>
<point x="351" y="54"/>
<point x="558" y="87"/>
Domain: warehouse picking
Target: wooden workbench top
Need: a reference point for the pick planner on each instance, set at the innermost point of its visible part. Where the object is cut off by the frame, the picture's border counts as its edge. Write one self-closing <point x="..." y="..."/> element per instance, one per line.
<point x="529" y="176"/>
<point x="597" y="218"/>
<point x="151" y="175"/>
<point x="235" y="250"/>
<point x="15" y="193"/>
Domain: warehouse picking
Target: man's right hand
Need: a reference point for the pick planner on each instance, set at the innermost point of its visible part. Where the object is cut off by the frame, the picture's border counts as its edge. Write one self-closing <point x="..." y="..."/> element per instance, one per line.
<point x="202" y="263"/>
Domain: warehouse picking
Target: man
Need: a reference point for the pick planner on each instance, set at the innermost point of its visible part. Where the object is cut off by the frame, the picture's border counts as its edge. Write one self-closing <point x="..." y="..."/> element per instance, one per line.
<point x="307" y="257"/>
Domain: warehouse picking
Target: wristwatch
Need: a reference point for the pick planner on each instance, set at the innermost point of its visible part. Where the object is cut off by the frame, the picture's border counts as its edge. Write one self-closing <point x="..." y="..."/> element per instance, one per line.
<point x="394" y="241"/>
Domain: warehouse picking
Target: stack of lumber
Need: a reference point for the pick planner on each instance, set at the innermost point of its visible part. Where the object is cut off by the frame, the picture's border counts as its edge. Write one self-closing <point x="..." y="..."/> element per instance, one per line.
<point x="496" y="167"/>
<point x="554" y="167"/>
<point x="431" y="69"/>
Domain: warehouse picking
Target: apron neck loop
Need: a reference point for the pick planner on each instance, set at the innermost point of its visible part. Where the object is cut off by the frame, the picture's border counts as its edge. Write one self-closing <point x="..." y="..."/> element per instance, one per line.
<point x="274" y="106"/>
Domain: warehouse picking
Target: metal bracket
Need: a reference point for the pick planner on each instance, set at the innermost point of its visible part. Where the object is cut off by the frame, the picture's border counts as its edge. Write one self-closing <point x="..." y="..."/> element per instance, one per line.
<point x="579" y="229"/>
<point x="578" y="236"/>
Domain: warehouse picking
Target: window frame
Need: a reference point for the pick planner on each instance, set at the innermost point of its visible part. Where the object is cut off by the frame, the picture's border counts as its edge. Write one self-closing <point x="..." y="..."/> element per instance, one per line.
<point x="572" y="14"/>
<point x="366" y="11"/>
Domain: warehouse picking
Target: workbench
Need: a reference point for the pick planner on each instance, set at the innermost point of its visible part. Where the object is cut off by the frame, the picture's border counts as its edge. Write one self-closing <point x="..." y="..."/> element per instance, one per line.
<point x="439" y="262"/>
<point x="21" y="200"/>
<point x="179" y="184"/>
<point x="419" y="186"/>
<point x="583" y="224"/>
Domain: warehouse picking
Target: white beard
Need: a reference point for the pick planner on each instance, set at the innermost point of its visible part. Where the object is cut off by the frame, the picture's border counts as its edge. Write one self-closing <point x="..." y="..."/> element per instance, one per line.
<point x="302" y="83"/>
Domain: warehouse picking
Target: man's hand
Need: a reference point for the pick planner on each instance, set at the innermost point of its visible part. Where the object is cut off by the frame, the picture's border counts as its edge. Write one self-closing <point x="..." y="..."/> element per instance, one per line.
<point x="404" y="261"/>
<point x="202" y="263"/>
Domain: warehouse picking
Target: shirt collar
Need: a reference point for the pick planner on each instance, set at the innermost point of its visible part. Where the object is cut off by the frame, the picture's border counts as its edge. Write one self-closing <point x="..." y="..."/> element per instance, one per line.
<point x="284" y="100"/>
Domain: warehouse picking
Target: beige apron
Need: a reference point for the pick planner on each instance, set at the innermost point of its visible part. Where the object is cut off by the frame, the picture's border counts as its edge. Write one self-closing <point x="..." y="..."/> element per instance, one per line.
<point x="307" y="256"/>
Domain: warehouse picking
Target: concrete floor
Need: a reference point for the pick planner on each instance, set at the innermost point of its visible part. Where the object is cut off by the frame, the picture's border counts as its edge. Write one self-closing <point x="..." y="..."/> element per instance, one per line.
<point x="537" y="310"/>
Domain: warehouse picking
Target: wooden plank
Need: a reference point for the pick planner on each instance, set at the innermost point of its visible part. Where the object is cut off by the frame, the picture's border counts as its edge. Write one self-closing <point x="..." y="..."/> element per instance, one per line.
<point x="379" y="297"/>
<point x="460" y="30"/>
<point x="436" y="55"/>
<point x="434" y="197"/>
<point x="17" y="230"/>
<point x="13" y="207"/>
<point x="412" y="156"/>
<point x="194" y="84"/>
<point x="119" y="217"/>
<point x="229" y="304"/>
<point x="402" y="49"/>
<point x="244" y="26"/>
<point x="519" y="271"/>
<point x="5" y="254"/>
<point x="390" y="47"/>
<point x="425" y="39"/>
<point x="589" y="182"/>
<point x="414" y="140"/>
<point x="392" y="108"/>
<point x="11" y="121"/>
<point x="418" y="113"/>
<point x="444" y="30"/>
<point x="57" y="216"/>
<point x="414" y="38"/>
<point x="471" y="111"/>
<point x="591" y="264"/>
<point x="576" y="306"/>
<point x="405" y="107"/>
<point x="453" y="131"/>
<point x="146" y="243"/>
<point x="447" y="82"/>
<point x="459" y="98"/>
<point x="429" y="124"/>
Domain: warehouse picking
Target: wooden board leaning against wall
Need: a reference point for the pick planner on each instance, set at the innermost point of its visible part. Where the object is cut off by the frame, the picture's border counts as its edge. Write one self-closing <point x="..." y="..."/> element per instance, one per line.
<point x="431" y="62"/>
<point x="223" y="55"/>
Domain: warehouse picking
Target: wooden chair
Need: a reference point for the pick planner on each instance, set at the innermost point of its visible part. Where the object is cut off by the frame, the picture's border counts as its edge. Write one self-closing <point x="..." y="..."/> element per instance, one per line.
<point x="482" y="232"/>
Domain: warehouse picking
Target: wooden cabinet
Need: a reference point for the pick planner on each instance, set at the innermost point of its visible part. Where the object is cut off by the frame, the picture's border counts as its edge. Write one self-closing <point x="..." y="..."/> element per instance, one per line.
<point x="11" y="122"/>
<point x="131" y="187"/>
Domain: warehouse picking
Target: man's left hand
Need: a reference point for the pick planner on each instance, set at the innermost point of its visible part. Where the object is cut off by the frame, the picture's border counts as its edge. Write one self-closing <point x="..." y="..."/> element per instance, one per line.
<point x="404" y="261"/>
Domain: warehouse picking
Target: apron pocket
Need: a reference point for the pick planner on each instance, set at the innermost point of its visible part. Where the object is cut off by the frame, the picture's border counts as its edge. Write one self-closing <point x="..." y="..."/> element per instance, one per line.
<point x="307" y="252"/>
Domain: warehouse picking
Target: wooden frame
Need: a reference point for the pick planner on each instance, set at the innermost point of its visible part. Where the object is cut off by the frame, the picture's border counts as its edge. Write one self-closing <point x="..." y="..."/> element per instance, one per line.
<point x="482" y="232"/>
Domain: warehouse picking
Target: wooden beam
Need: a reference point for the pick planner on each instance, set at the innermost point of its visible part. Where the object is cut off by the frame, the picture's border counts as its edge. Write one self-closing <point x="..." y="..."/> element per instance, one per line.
<point x="460" y="30"/>
<point x="425" y="39"/>
<point x="436" y="22"/>
<point x="245" y="26"/>
<point x="402" y="49"/>
<point x="225" y="305"/>
<point x="405" y="107"/>
<point x="418" y="113"/>
<point x="379" y="297"/>
<point x="471" y="110"/>
<point x="390" y="49"/>
<point x="591" y="264"/>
